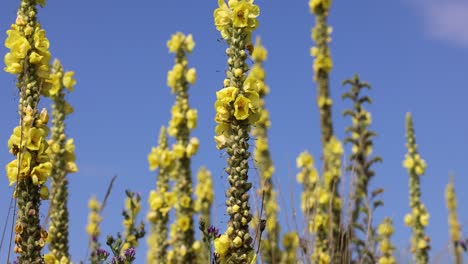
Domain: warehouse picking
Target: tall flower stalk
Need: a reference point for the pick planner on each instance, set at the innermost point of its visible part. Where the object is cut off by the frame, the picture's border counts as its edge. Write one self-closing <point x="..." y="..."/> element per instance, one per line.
<point x="385" y="232"/>
<point x="308" y="177"/>
<point x="322" y="65"/>
<point x="329" y="246"/>
<point x="236" y="108"/>
<point x="184" y="119"/>
<point x="361" y="228"/>
<point x="262" y="157"/>
<point x="28" y="58"/>
<point x="454" y="224"/>
<point x="63" y="162"/>
<point x="205" y="197"/>
<point x="418" y="219"/>
<point x="290" y="245"/>
<point x="93" y="229"/>
<point x="160" y="200"/>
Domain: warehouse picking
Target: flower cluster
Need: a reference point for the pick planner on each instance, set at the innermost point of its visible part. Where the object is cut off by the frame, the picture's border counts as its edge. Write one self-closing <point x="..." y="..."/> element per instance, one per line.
<point x="93" y="229"/>
<point x="418" y="219"/>
<point x="204" y="193"/>
<point x="234" y="103"/>
<point x="454" y="224"/>
<point x="236" y="14"/>
<point x="290" y="244"/>
<point x="308" y="177"/>
<point x="50" y="258"/>
<point x="28" y="143"/>
<point x="180" y="42"/>
<point x="27" y="41"/>
<point x="385" y="231"/>
<point x="160" y="200"/>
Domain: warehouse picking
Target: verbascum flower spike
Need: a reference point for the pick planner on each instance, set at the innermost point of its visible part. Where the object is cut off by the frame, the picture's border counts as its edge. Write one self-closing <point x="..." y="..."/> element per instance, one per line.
<point x="236" y="108"/>
<point x="62" y="155"/>
<point x="308" y="177"/>
<point x="160" y="200"/>
<point x="454" y="224"/>
<point x="131" y="231"/>
<point x="262" y="157"/>
<point x="29" y="58"/>
<point x="386" y="248"/>
<point x="329" y="245"/>
<point x="93" y="229"/>
<point x="361" y="229"/>
<point x="418" y="219"/>
<point x="322" y="64"/>
<point x="184" y="120"/>
<point x="205" y="197"/>
<point x="290" y="245"/>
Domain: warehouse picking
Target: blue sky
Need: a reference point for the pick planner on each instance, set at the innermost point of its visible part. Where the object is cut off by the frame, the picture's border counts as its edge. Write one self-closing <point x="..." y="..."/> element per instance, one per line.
<point x="413" y="52"/>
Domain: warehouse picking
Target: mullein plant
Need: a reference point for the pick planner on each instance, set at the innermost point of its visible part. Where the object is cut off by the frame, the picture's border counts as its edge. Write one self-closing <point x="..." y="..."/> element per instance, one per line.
<point x="28" y="58"/>
<point x="454" y="224"/>
<point x="132" y="232"/>
<point x="418" y="219"/>
<point x="63" y="162"/>
<point x="270" y="245"/>
<point x="184" y="120"/>
<point x="93" y="229"/>
<point x="322" y="64"/>
<point x="308" y="177"/>
<point x="290" y="245"/>
<point x="160" y="200"/>
<point x="386" y="248"/>
<point x="329" y="243"/>
<point x="361" y="229"/>
<point x="205" y="196"/>
<point x="237" y="108"/>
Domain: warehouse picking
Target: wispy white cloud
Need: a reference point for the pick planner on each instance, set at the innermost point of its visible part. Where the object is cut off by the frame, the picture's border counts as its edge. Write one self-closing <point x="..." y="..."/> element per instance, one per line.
<point x="446" y="20"/>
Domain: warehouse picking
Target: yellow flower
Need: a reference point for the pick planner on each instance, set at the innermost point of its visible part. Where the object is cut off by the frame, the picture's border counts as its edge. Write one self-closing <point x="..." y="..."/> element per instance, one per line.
<point x="189" y="43"/>
<point x="245" y="14"/>
<point x="68" y="80"/>
<point x="424" y="219"/>
<point x="191" y="75"/>
<point x="94" y="204"/>
<point x="44" y="192"/>
<point x="18" y="45"/>
<point x="304" y="160"/>
<point x="192" y="147"/>
<point x="12" y="64"/>
<point x="227" y="95"/>
<point x="259" y="53"/>
<point x="323" y="62"/>
<point x="40" y="173"/>
<point x="185" y="201"/>
<point x="316" y="5"/>
<point x="175" y="42"/>
<point x="221" y="245"/>
<point x="183" y="223"/>
<point x="409" y="220"/>
<point x="222" y="17"/>
<point x="178" y="150"/>
<point x="170" y="198"/>
<point x="192" y="117"/>
<point x="241" y="107"/>
<point x="155" y="200"/>
<point x="223" y="112"/>
<point x="12" y="168"/>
